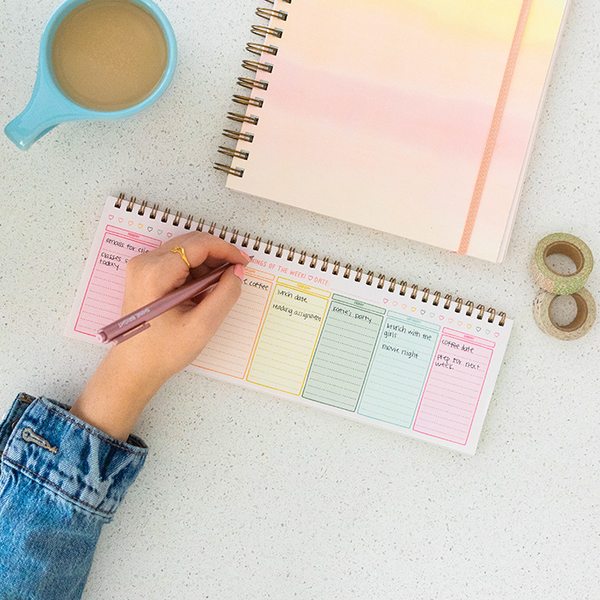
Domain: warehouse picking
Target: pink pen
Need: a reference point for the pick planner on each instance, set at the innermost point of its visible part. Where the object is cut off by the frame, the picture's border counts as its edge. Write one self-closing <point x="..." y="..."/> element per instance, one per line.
<point x="135" y="322"/>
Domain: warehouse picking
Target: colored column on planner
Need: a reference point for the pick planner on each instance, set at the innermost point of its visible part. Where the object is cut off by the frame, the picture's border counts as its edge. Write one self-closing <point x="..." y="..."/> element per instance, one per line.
<point x="397" y="375"/>
<point x="288" y="336"/>
<point x="229" y="350"/>
<point x="343" y="352"/>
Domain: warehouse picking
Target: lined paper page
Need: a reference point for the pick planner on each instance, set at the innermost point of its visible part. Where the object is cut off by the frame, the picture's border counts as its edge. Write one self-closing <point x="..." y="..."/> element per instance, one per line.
<point x="343" y="353"/>
<point x="454" y="386"/>
<point x="399" y="369"/>
<point x="288" y="337"/>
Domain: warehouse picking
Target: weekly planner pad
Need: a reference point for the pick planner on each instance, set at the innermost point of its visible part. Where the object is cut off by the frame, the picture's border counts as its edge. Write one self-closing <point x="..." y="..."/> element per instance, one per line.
<point x="414" y="117"/>
<point x="348" y="341"/>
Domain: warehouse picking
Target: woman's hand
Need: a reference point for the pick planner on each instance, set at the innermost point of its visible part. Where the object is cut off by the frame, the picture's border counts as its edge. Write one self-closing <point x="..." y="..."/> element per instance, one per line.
<point x="134" y="370"/>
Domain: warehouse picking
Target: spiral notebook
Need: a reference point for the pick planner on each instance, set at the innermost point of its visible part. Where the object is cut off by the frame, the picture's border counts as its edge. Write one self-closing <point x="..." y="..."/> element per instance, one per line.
<point x="345" y="340"/>
<point x="413" y="117"/>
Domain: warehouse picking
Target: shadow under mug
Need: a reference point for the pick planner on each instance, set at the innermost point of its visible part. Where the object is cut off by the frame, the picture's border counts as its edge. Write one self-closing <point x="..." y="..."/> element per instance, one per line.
<point x="49" y="106"/>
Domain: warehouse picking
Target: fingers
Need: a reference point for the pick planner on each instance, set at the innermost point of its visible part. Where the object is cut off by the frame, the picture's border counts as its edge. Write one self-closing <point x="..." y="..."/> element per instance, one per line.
<point x="202" y="247"/>
<point x="156" y="273"/>
<point x="213" y="309"/>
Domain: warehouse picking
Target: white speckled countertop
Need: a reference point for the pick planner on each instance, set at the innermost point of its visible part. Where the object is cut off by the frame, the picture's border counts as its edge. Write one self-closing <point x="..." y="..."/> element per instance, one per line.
<point x="248" y="497"/>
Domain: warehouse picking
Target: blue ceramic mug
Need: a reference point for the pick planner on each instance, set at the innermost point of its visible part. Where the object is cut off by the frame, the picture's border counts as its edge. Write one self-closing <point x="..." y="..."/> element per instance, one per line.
<point x="49" y="105"/>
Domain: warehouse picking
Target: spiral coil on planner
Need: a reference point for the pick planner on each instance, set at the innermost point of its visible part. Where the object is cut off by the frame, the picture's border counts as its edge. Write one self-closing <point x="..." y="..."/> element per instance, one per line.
<point x="252" y="83"/>
<point x="301" y="257"/>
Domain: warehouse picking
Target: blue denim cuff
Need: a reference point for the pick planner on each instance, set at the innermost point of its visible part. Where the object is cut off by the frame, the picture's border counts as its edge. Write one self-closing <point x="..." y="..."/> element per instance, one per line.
<point x="45" y="442"/>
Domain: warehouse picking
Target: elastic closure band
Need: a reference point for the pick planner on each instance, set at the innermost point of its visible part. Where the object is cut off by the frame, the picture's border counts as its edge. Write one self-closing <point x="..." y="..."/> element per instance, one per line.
<point x="488" y="153"/>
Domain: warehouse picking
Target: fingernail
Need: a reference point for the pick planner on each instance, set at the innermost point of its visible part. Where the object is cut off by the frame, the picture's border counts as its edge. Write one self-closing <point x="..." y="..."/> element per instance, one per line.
<point x="245" y="255"/>
<point x="239" y="271"/>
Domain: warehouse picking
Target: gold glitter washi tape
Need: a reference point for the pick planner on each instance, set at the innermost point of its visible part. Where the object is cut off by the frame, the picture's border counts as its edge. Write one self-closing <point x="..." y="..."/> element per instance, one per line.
<point x="570" y="246"/>
<point x="578" y="327"/>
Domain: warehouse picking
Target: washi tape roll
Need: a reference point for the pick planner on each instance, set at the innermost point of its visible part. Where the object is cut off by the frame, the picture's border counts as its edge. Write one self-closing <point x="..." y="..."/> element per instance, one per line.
<point x="578" y="327"/>
<point x="571" y="247"/>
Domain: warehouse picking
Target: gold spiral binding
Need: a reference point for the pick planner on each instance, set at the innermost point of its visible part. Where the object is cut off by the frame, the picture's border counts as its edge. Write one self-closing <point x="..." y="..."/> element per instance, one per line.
<point x="229" y="170"/>
<point x="263" y="32"/>
<point x="238" y="135"/>
<point x="260" y="49"/>
<point x="251" y="84"/>
<point x="242" y="118"/>
<point x="259" y="67"/>
<point x="468" y="306"/>
<point x="248" y="101"/>
<point x="243" y="154"/>
<point x="255" y="67"/>
<point x="269" y="13"/>
<point x="336" y="267"/>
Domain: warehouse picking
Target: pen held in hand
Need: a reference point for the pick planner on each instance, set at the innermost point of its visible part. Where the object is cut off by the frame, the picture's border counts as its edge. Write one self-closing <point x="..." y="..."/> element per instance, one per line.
<point x="137" y="321"/>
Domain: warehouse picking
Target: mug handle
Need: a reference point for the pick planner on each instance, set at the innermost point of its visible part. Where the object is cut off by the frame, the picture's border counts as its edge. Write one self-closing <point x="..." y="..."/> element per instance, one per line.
<point x="46" y="109"/>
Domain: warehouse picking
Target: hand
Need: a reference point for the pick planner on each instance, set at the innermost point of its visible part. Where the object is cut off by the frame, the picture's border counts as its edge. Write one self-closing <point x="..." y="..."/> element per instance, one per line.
<point x="134" y="370"/>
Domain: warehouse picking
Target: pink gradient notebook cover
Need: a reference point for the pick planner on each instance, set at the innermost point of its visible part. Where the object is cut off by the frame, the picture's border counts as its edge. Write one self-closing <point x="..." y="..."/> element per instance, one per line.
<point x="413" y="117"/>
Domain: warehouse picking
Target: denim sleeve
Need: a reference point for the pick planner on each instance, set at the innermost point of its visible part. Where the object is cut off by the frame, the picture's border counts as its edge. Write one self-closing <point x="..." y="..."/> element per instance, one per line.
<point x="60" y="481"/>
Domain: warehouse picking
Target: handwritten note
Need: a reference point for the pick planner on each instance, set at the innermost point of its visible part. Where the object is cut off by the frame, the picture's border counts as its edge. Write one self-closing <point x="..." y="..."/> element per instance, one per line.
<point x="343" y="352"/>
<point x="399" y="370"/>
<point x="104" y="294"/>
<point x="454" y="386"/>
<point x="288" y="336"/>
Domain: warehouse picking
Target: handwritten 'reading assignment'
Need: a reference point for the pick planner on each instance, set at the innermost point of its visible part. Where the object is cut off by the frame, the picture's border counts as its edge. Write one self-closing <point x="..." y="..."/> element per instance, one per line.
<point x="312" y="333"/>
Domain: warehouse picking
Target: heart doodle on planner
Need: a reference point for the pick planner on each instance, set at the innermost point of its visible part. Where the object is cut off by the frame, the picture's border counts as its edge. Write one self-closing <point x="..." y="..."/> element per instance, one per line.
<point x="413" y="308"/>
<point x="160" y="231"/>
<point x="140" y="225"/>
<point x="169" y="234"/>
<point x="422" y="312"/>
<point x="394" y="303"/>
<point x="441" y="317"/>
<point x="310" y="277"/>
<point x="460" y="323"/>
<point x="487" y="332"/>
<point x="469" y="325"/>
<point x="450" y="320"/>
<point x="130" y="223"/>
<point x="497" y="334"/>
<point x="432" y="315"/>
<point x="111" y="217"/>
<point x="403" y="306"/>
<point x="385" y="300"/>
<point x="121" y="219"/>
<point x="478" y="328"/>
<point x="150" y="228"/>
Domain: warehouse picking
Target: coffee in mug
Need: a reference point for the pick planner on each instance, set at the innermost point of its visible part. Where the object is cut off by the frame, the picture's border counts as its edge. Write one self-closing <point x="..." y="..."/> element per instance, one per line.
<point x="108" y="54"/>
